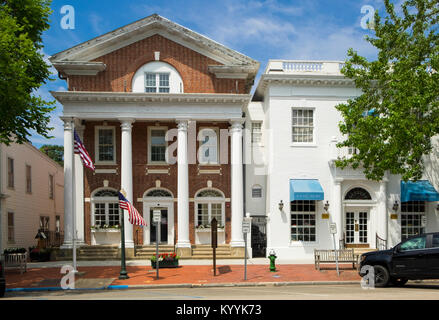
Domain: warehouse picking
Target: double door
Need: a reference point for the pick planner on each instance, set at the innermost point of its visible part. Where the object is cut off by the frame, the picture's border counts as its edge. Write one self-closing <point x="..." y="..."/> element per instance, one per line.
<point x="357" y="227"/>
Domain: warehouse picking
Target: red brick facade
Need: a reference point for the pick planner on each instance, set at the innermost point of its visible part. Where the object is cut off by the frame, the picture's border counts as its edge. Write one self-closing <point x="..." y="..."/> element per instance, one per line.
<point x="123" y="63"/>
<point x="121" y="66"/>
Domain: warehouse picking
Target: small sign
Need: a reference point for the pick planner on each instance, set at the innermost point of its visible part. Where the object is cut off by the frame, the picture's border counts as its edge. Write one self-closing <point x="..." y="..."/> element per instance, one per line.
<point x="332" y="228"/>
<point x="394" y="216"/>
<point x="156" y="215"/>
<point x="246" y="225"/>
<point x="325" y="215"/>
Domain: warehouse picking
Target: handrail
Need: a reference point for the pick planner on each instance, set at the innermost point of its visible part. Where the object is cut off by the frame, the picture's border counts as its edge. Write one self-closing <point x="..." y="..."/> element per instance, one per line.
<point x="380" y="243"/>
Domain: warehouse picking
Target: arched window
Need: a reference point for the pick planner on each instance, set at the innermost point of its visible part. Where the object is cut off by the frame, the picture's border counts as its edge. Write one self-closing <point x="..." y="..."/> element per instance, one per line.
<point x="159" y="193"/>
<point x="209" y="204"/>
<point x="105" y="208"/>
<point x="358" y="194"/>
<point x="157" y="77"/>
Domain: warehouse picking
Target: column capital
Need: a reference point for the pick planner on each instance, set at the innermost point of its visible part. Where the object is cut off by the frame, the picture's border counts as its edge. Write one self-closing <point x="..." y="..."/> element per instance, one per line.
<point x="236" y="124"/>
<point x="68" y="123"/>
<point x="338" y="181"/>
<point x="182" y="124"/>
<point x="126" y="124"/>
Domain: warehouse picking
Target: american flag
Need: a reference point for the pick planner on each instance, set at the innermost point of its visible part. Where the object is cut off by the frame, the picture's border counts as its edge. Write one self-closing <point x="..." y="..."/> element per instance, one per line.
<point x="80" y="149"/>
<point x="133" y="215"/>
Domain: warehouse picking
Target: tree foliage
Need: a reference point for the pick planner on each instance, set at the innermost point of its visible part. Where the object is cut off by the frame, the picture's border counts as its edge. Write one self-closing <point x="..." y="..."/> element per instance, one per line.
<point x="393" y="121"/>
<point x="55" y="152"/>
<point x="23" y="69"/>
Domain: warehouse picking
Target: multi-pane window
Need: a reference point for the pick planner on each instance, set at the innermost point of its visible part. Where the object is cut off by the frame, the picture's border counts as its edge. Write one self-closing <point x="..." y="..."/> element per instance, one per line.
<point x="28" y="179"/>
<point x="303" y="125"/>
<point x="208" y="150"/>
<point x="51" y="187"/>
<point x="210" y="204"/>
<point x="303" y="220"/>
<point x="256" y="132"/>
<point x="44" y="223"/>
<point x="106" y="148"/>
<point x="10" y="172"/>
<point x="106" y="208"/>
<point x="412" y="218"/>
<point x="11" y="231"/>
<point x="158" y="145"/>
<point x="156" y="82"/>
<point x="257" y="192"/>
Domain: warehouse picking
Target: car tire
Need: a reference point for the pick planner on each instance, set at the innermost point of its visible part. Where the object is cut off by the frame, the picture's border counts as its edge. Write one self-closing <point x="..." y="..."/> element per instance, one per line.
<point x="382" y="276"/>
<point x="399" y="282"/>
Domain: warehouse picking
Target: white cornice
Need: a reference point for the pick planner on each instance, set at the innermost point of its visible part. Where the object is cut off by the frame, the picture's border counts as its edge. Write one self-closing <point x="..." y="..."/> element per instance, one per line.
<point x="79" y="67"/>
<point x="132" y="97"/>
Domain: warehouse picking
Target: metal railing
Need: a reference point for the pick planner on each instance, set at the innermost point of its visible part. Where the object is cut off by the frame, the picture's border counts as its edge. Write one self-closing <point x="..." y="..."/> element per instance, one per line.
<point x="53" y="239"/>
<point x="381" y="244"/>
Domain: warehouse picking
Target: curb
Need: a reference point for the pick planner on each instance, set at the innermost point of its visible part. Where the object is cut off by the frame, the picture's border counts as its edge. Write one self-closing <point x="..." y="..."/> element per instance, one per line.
<point x="188" y="285"/>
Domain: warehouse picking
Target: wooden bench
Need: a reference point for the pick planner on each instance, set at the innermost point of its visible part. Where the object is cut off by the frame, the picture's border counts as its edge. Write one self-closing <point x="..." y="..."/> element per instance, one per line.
<point x="328" y="256"/>
<point x="15" y="260"/>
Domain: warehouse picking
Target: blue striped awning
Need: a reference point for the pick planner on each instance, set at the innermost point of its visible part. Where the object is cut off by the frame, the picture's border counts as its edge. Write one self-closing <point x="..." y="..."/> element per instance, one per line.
<point x="421" y="190"/>
<point x="306" y="189"/>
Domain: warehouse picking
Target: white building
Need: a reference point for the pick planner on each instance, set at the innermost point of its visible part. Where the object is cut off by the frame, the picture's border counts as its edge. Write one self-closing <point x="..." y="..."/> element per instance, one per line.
<point x="31" y="196"/>
<point x="293" y="126"/>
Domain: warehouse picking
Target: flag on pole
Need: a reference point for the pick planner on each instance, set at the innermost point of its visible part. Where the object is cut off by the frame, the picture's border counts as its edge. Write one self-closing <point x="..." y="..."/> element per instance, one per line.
<point x="133" y="215"/>
<point x="80" y="149"/>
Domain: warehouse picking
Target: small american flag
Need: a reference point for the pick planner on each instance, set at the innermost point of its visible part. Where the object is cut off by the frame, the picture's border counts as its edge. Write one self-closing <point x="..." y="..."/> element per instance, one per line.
<point x="80" y="149"/>
<point x="133" y="215"/>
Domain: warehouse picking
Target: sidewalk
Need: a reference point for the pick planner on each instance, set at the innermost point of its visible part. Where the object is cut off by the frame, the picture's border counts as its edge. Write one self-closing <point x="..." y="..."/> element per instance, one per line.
<point x="193" y="273"/>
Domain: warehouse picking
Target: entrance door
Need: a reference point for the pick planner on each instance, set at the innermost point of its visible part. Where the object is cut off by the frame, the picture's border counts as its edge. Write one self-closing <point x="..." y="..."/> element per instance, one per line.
<point x="357" y="227"/>
<point x="163" y="227"/>
<point x="259" y="237"/>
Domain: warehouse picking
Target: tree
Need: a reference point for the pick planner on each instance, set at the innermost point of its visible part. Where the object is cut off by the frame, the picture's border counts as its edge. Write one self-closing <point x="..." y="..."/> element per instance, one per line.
<point x="55" y="152"/>
<point x="23" y="69"/>
<point x="393" y="121"/>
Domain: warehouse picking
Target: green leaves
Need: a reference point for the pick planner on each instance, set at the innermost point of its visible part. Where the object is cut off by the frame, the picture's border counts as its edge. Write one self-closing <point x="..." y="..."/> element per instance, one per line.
<point x="22" y="69"/>
<point x="402" y="89"/>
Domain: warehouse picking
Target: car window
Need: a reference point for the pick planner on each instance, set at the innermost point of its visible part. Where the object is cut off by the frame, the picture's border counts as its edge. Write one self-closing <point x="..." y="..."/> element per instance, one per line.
<point x="414" y="244"/>
<point x="435" y="243"/>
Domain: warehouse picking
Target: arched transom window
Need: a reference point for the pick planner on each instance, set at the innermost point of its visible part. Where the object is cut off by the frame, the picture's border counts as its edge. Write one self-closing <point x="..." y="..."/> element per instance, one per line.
<point x="358" y="194"/>
<point x="159" y="193"/>
<point x="157" y="77"/>
<point x="209" y="204"/>
<point x="105" y="208"/>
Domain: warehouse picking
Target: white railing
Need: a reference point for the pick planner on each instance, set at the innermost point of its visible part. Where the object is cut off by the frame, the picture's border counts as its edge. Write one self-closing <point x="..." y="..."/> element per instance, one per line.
<point x="304" y="67"/>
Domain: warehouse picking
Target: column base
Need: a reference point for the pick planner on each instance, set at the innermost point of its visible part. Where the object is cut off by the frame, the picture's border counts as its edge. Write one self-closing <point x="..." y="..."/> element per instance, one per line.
<point x="67" y="245"/>
<point x="129" y="253"/>
<point x="184" y="252"/>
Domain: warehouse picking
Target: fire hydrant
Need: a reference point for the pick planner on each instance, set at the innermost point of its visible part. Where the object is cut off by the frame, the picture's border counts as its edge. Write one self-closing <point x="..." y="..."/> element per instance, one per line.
<point x="272" y="257"/>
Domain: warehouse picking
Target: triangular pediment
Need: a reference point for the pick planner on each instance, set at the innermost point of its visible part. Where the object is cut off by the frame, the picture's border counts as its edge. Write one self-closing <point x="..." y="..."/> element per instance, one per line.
<point x="92" y="49"/>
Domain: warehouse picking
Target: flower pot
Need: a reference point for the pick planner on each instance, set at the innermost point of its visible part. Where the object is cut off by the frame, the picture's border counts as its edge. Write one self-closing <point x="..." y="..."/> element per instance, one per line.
<point x="165" y="264"/>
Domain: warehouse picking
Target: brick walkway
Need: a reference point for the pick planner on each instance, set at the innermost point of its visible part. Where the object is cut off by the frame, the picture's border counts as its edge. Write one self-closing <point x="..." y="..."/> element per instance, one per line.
<point x="188" y="274"/>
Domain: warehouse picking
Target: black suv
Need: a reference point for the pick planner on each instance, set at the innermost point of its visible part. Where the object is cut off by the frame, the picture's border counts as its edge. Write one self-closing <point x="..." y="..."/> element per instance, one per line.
<point x="413" y="259"/>
<point x="2" y="278"/>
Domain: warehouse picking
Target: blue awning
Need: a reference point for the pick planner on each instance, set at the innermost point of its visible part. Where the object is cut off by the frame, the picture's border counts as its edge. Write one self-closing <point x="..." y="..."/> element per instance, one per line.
<point x="421" y="190"/>
<point x="306" y="189"/>
<point x="370" y="112"/>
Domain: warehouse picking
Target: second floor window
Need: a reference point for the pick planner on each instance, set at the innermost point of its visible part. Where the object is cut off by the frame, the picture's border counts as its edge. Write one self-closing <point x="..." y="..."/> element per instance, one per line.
<point x="28" y="179"/>
<point x="256" y="132"/>
<point x="51" y="190"/>
<point x="44" y="223"/>
<point x="106" y="145"/>
<point x="10" y="172"/>
<point x="303" y="126"/>
<point x="208" y="150"/>
<point x="157" y="82"/>
<point x="157" y="145"/>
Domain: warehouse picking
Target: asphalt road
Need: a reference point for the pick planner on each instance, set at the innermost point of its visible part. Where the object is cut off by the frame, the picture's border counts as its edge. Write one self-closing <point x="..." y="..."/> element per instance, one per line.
<point x="412" y="291"/>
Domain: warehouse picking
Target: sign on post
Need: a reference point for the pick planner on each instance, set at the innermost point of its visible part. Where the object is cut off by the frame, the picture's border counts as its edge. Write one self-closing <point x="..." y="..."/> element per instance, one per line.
<point x="246" y="228"/>
<point x="156" y="218"/>
<point x="214" y="241"/>
<point x="333" y="231"/>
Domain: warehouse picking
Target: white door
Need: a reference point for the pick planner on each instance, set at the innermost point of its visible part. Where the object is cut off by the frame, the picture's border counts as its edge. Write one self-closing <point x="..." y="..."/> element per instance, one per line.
<point x="357" y="230"/>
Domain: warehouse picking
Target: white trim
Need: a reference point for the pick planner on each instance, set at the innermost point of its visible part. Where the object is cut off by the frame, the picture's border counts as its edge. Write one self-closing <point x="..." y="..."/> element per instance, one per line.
<point x="97" y="162"/>
<point x="314" y="127"/>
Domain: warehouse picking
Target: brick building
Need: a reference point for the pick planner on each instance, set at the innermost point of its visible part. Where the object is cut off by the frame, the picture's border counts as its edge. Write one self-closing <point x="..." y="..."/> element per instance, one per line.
<point x="159" y="109"/>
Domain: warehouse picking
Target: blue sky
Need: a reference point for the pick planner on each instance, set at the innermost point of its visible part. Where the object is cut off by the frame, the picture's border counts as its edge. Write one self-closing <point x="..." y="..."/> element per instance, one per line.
<point x="260" y="29"/>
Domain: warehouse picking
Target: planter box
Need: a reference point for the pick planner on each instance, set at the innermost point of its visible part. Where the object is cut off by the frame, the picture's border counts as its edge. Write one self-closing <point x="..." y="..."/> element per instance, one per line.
<point x="165" y="264"/>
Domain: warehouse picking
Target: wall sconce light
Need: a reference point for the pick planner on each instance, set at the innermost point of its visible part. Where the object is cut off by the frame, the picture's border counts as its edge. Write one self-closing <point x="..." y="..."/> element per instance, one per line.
<point x="395" y="206"/>
<point x="281" y="205"/>
<point x="326" y="206"/>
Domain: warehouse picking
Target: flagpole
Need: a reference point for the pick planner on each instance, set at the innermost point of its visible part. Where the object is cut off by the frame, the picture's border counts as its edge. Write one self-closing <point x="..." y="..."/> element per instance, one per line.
<point x="75" y="270"/>
<point x="123" y="275"/>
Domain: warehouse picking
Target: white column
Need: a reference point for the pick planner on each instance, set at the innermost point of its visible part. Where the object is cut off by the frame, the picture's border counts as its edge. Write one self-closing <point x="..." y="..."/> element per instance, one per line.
<point x="79" y="190"/>
<point x="68" y="183"/>
<point x="382" y="220"/>
<point x="337" y="209"/>
<point x="183" y="186"/>
<point x="127" y="175"/>
<point x="237" y="239"/>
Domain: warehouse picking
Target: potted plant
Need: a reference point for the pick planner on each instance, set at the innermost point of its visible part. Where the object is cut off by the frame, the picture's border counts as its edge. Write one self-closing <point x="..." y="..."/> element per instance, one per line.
<point x="166" y="260"/>
<point x="40" y="255"/>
